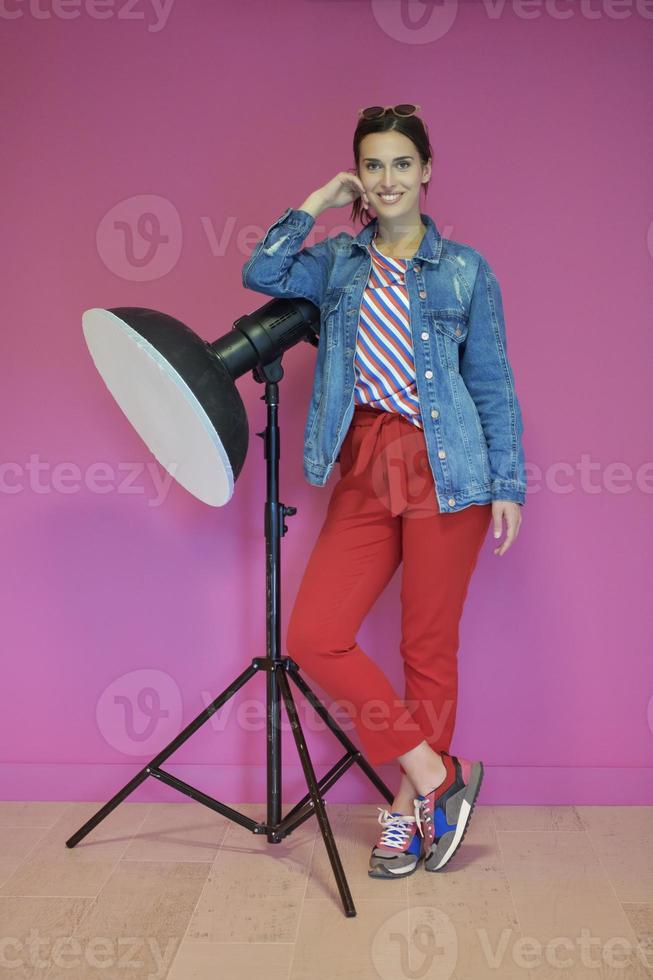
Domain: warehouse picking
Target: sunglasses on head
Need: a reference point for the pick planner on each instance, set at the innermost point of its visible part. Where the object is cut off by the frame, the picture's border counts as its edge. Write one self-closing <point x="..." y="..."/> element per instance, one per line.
<point x="376" y="111"/>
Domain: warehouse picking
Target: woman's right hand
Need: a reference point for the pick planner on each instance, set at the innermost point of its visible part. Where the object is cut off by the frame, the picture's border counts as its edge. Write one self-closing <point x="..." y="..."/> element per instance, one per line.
<point x="342" y="189"/>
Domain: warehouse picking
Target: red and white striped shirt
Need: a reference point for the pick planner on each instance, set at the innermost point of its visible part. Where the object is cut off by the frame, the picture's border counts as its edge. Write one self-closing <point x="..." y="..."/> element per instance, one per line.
<point x="384" y="365"/>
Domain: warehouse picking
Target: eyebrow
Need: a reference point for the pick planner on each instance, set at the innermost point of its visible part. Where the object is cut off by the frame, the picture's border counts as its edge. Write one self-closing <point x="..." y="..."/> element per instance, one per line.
<point x="376" y="160"/>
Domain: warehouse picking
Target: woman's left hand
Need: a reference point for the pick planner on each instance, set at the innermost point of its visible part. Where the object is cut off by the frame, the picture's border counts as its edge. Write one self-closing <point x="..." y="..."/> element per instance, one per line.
<point x="512" y="513"/>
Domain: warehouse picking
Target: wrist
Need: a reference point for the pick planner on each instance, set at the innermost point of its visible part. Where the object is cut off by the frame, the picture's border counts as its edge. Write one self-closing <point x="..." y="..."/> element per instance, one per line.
<point x="313" y="205"/>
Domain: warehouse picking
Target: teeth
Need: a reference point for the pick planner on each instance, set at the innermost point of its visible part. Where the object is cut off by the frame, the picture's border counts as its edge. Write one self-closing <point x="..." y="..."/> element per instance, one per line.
<point x="390" y="197"/>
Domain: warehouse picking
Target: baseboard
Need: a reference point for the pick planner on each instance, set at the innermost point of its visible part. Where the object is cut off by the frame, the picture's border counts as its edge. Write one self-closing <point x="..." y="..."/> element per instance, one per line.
<point x="236" y="783"/>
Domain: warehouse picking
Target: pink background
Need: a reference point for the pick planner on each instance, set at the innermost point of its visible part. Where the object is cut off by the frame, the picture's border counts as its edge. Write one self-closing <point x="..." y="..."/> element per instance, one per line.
<point x="124" y="614"/>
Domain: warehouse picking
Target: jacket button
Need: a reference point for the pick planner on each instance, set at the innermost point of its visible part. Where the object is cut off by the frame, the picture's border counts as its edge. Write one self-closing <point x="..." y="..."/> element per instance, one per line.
<point x="434" y="413"/>
<point x="422" y="295"/>
<point x="442" y="454"/>
<point x="428" y="374"/>
<point x="458" y="331"/>
<point x="424" y="335"/>
<point x="451" y="501"/>
<point x="417" y="266"/>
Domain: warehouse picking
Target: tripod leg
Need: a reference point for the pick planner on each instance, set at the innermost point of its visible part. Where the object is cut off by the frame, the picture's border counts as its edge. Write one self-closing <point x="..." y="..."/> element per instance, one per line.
<point x="318" y="802"/>
<point x="338" y="732"/>
<point x="161" y="757"/>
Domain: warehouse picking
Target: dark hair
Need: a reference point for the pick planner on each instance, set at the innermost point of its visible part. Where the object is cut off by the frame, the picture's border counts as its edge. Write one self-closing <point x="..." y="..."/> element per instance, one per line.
<point x="411" y="126"/>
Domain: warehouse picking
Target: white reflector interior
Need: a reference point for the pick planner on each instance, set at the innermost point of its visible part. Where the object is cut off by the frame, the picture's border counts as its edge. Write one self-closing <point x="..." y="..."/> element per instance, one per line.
<point x="161" y="407"/>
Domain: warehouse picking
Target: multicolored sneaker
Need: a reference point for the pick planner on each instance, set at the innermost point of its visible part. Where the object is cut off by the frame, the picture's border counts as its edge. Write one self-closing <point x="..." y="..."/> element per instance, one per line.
<point x="443" y="814"/>
<point x="398" y="850"/>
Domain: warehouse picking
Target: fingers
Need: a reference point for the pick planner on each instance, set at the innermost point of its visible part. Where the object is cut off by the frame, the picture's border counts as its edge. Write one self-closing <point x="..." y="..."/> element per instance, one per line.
<point x="511" y="534"/>
<point x="512" y="514"/>
<point x="359" y="186"/>
<point x="364" y="198"/>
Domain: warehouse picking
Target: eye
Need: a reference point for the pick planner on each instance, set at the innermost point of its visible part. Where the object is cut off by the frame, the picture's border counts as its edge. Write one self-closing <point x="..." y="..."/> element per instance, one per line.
<point x="403" y="165"/>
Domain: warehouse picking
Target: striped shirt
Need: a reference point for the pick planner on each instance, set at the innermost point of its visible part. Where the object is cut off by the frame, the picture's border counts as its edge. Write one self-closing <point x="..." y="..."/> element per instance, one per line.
<point x="384" y="365"/>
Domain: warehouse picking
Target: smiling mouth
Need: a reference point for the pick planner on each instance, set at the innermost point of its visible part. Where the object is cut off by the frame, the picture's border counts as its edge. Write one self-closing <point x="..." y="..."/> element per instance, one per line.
<point x="391" y="198"/>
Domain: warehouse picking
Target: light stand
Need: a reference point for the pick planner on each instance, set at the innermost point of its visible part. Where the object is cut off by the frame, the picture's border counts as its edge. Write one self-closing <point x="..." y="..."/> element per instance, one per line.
<point x="278" y="670"/>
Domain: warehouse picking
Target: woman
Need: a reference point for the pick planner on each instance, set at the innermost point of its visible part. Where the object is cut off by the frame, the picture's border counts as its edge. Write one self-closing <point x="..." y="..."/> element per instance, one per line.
<point x="413" y="394"/>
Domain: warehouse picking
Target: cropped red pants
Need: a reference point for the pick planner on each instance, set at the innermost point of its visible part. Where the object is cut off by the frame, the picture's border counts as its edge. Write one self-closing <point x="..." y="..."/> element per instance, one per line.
<point x="383" y="512"/>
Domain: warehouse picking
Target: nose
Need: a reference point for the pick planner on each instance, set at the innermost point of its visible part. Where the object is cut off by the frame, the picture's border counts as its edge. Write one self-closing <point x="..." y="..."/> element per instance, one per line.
<point x="387" y="179"/>
<point x="386" y="184"/>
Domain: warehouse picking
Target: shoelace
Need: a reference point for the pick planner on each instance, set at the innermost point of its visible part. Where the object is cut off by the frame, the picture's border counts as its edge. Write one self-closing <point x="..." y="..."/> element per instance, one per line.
<point x="397" y="829"/>
<point x="421" y="813"/>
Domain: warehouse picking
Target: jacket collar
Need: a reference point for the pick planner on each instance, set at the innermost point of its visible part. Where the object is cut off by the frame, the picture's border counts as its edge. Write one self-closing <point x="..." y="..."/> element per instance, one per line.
<point x="430" y="247"/>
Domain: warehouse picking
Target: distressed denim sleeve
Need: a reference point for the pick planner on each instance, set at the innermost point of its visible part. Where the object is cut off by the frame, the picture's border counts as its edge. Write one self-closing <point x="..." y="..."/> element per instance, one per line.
<point x="279" y="267"/>
<point x="488" y="376"/>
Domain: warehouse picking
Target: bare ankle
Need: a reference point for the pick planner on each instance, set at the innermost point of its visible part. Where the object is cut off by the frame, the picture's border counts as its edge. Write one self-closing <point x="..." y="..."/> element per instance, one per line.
<point x="425" y="768"/>
<point x="432" y="779"/>
<point x="403" y="801"/>
<point x="401" y="804"/>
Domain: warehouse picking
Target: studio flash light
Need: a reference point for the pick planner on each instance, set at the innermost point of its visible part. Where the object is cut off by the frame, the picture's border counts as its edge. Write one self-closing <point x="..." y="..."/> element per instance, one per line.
<point x="179" y="393"/>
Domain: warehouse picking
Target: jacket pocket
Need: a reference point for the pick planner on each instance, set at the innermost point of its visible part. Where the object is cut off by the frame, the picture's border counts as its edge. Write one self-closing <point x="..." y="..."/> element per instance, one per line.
<point x="452" y="325"/>
<point x="450" y="330"/>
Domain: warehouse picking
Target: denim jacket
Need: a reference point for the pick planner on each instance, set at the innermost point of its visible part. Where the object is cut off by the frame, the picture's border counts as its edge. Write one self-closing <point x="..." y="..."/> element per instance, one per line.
<point x="470" y="413"/>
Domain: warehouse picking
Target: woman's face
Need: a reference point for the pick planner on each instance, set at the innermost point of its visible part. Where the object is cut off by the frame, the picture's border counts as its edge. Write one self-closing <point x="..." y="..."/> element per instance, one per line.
<point x="390" y="165"/>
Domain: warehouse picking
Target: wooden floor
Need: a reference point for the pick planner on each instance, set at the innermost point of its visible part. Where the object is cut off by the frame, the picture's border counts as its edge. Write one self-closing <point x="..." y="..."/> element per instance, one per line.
<point x="178" y="891"/>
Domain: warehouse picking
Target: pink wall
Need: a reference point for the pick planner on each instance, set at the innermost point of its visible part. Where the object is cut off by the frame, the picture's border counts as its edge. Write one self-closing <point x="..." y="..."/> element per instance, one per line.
<point x="125" y="611"/>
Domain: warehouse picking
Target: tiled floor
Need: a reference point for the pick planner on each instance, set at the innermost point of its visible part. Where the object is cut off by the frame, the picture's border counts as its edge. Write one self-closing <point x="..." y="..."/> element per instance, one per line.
<point x="177" y="891"/>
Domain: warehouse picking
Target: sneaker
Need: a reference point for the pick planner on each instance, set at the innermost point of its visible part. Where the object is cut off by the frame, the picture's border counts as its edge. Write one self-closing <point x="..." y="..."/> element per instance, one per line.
<point x="443" y="814"/>
<point x="397" y="852"/>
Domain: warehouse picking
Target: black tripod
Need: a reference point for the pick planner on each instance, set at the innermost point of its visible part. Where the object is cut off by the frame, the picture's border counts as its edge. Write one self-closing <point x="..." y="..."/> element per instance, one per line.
<point x="277" y="668"/>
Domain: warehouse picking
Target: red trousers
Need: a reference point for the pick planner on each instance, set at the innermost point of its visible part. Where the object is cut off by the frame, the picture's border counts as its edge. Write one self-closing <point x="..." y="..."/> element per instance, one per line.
<point x="383" y="512"/>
